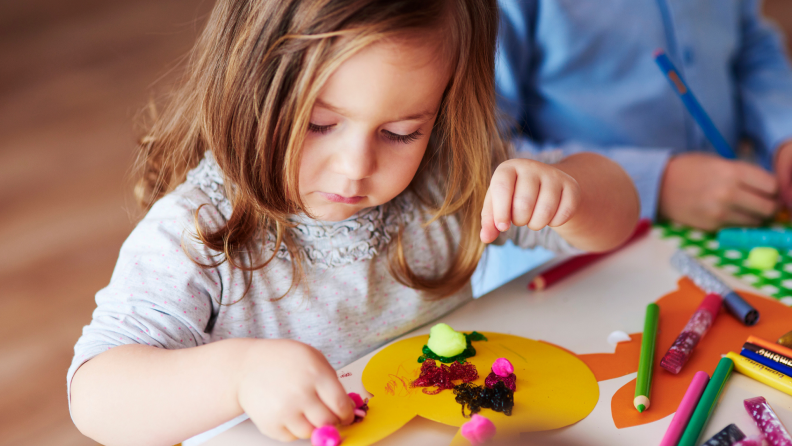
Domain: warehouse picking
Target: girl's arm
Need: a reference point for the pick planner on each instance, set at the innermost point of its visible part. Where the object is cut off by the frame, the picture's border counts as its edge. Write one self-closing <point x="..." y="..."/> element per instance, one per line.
<point x="609" y="205"/>
<point x="136" y="394"/>
<point x="586" y="198"/>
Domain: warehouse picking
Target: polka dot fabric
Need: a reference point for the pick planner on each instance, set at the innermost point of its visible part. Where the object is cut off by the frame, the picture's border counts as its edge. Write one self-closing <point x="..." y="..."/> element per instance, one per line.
<point x="775" y="282"/>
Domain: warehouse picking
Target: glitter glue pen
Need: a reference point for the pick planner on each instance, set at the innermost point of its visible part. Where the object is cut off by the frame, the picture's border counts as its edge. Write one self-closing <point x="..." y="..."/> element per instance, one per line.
<point x="708" y="282"/>
<point x="767" y="421"/>
<point x="701" y="321"/>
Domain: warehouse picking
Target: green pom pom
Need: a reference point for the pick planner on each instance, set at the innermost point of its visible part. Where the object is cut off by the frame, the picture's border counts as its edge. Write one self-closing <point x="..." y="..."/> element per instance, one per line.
<point x="444" y="341"/>
<point x="763" y="258"/>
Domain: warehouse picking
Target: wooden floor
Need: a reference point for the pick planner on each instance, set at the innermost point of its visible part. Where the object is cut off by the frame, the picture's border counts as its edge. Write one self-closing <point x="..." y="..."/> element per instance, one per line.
<point x="73" y="76"/>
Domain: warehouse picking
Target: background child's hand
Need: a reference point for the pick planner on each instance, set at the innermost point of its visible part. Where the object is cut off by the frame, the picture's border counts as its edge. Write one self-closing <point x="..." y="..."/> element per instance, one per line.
<point x="288" y="388"/>
<point x="526" y="192"/>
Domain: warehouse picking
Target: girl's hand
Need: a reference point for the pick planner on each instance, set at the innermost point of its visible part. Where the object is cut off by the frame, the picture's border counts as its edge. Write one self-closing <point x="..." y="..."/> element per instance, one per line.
<point x="526" y="192"/>
<point x="288" y="388"/>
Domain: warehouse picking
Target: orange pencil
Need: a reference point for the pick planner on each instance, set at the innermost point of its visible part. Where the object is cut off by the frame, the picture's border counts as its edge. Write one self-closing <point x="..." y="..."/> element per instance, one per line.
<point x="772" y="346"/>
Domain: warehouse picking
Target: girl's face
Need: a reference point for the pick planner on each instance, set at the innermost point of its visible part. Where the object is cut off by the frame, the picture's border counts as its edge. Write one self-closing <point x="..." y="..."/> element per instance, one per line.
<point x="370" y="127"/>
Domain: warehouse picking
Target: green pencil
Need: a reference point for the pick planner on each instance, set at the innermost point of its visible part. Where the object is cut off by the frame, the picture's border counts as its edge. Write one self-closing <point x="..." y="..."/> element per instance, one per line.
<point x="707" y="403"/>
<point x="644" y="382"/>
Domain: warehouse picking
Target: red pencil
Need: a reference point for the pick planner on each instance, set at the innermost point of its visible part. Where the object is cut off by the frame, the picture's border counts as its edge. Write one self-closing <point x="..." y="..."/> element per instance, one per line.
<point x="568" y="267"/>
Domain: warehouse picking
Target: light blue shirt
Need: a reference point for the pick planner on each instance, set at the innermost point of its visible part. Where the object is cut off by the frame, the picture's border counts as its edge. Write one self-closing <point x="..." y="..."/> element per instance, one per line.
<point x="580" y="75"/>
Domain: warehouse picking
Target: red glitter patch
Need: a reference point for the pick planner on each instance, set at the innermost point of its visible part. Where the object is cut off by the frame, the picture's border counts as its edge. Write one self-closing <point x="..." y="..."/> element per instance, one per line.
<point x="510" y="381"/>
<point x="443" y="377"/>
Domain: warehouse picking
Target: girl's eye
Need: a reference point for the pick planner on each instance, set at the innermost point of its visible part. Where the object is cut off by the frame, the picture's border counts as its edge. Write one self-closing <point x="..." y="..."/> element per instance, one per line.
<point x="404" y="139"/>
<point x="321" y="129"/>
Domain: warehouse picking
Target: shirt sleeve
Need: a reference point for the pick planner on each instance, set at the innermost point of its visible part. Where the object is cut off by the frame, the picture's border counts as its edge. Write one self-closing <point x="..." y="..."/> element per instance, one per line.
<point x="764" y="79"/>
<point x="157" y="295"/>
<point x="514" y="74"/>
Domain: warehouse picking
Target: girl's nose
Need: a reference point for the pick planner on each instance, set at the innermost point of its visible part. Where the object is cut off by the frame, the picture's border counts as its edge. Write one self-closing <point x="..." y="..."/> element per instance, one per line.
<point x="356" y="160"/>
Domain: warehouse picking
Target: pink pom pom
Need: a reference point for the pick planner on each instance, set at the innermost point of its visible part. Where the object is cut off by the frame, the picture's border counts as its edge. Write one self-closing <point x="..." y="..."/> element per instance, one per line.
<point x="502" y="367"/>
<point x="325" y="436"/>
<point x="357" y="399"/>
<point x="478" y="430"/>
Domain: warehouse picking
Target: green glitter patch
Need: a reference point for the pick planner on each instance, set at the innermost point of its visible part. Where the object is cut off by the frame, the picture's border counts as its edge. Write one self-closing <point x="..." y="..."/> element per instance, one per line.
<point x="776" y="282"/>
<point x="461" y="358"/>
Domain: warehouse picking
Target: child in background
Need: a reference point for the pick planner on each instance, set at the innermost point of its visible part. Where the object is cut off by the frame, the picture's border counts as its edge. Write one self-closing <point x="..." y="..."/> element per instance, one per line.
<point x="324" y="181"/>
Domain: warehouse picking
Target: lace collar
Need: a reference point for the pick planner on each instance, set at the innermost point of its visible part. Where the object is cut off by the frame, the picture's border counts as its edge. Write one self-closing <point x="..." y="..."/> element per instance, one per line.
<point x="323" y="243"/>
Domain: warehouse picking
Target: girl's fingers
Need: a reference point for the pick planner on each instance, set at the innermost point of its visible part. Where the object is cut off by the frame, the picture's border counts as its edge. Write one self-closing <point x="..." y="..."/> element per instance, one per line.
<point x="546" y="205"/>
<point x="488" y="230"/>
<point x="570" y="199"/>
<point x="319" y="415"/>
<point x="277" y="431"/>
<point x="502" y="193"/>
<point x="299" y="426"/>
<point x="525" y="195"/>
<point x="334" y="397"/>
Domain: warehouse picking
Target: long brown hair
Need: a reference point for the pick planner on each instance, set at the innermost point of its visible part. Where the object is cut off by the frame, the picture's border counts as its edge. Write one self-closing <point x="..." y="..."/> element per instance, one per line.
<point x="250" y="86"/>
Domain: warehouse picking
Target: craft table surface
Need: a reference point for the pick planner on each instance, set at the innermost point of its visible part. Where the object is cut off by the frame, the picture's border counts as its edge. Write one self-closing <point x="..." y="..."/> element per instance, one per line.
<point x="577" y="313"/>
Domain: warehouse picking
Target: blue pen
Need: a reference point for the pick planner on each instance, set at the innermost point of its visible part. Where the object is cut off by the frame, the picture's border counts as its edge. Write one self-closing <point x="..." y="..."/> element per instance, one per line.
<point x="692" y="104"/>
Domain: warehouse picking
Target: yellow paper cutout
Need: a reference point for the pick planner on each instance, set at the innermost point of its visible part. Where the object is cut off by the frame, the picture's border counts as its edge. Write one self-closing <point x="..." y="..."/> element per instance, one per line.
<point x="554" y="389"/>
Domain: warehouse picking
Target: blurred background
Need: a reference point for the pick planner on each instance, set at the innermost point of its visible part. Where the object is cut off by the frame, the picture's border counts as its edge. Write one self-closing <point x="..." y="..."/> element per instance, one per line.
<point x="74" y="77"/>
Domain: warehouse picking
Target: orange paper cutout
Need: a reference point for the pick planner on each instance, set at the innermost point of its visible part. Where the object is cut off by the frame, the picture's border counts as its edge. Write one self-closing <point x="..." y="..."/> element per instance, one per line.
<point x="726" y="334"/>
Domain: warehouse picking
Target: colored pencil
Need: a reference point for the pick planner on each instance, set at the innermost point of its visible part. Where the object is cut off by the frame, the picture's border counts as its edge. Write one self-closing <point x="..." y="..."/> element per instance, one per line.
<point x="698" y="325"/>
<point x="693" y="106"/>
<point x="566" y="268"/>
<point x="643" y="385"/>
<point x="707" y="403"/>
<point x="685" y="409"/>
<point x="708" y="282"/>
<point x="763" y="374"/>
<point x="773" y="347"/>
<point x="767" y="362"/>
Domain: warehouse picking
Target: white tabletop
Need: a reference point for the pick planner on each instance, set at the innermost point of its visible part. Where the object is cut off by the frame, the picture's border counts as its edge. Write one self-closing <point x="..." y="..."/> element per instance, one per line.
<point x="578" y="313"/>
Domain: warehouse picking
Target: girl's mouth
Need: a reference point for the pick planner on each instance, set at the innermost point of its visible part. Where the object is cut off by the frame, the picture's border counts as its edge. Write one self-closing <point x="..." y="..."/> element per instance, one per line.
<point x="341" y="199"/>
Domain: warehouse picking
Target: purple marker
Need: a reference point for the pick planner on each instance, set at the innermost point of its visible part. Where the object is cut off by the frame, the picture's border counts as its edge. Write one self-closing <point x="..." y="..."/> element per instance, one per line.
<point x="679" y="353"/>
<point x="765" y="418"/>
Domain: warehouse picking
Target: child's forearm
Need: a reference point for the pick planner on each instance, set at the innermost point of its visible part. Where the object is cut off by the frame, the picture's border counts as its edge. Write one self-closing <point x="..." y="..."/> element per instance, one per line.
<point x="136" y="394"/>
<point x="609" y="205"/>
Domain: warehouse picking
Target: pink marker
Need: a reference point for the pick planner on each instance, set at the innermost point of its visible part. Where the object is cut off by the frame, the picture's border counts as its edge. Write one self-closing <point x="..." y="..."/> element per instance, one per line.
<point x="679" y="353"/>
<point x="685" y="409"/>
<point x="765" y="418"/>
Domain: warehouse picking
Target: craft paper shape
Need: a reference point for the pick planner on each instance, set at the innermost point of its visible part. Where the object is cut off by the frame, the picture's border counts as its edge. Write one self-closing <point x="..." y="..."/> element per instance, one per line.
<point x="554" y="389"/>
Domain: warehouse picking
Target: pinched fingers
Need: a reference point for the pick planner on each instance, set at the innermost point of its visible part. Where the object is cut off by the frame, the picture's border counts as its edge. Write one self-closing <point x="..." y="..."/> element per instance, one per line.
<point x="488" y="230"/>
<point x="570" y="200"/>
<point x="334" y="397"/>
<point x="319" y="415"/>
<point x="526" y="193"/>
<point x="275" y="430"/>
<point x="501" y="192"/>
<point x="546" y="205"/>
<point x="299" y="427"/>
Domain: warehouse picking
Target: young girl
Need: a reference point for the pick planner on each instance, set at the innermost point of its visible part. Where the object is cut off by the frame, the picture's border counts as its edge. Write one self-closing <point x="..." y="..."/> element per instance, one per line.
<point x="321" y="184"/>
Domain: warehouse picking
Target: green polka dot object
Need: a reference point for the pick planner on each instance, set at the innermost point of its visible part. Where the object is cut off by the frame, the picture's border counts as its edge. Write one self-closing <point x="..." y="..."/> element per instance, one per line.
<point x="775" y="282"/>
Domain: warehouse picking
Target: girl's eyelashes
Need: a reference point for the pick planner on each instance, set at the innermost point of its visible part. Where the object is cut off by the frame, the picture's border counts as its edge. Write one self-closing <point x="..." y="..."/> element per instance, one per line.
<point x="321" y="129"/>
<point x="404" y="139"/>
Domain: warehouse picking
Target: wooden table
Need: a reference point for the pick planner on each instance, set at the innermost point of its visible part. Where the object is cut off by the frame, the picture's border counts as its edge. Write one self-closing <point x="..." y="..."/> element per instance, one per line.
<point x="578" y="314"/>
